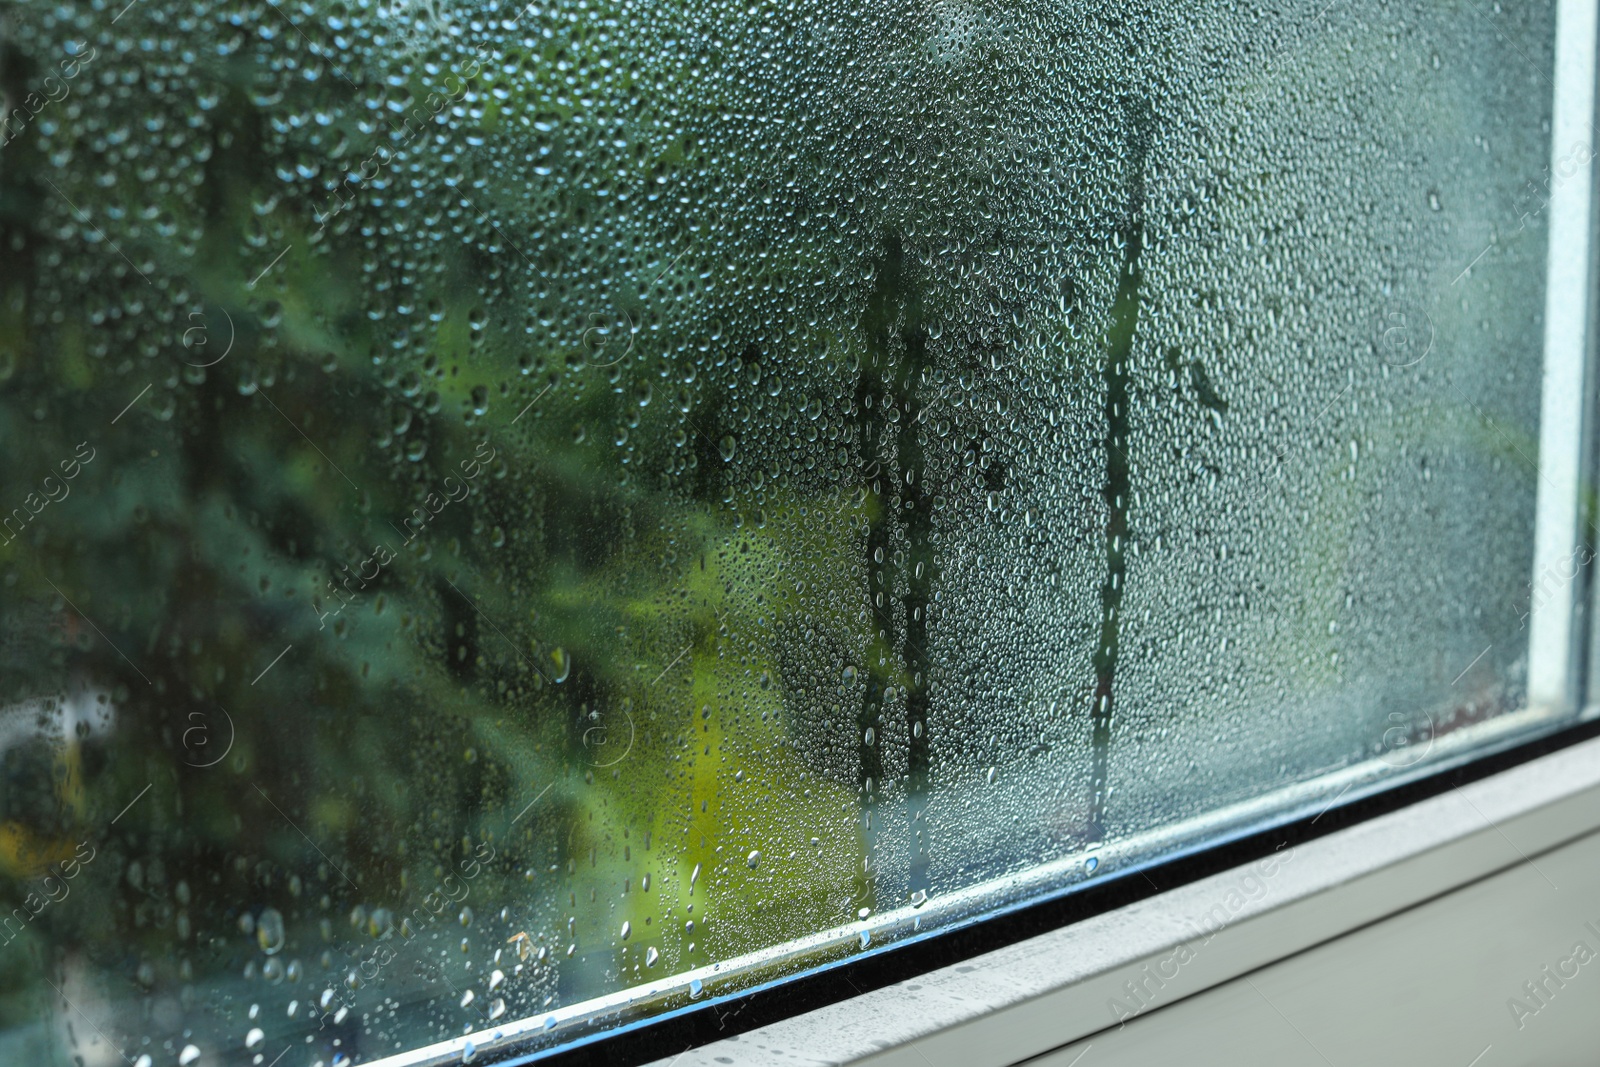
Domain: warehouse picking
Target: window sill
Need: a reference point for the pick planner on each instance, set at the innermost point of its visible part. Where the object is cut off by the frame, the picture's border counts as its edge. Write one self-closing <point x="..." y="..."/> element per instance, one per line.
<point x="1044" y="993"/>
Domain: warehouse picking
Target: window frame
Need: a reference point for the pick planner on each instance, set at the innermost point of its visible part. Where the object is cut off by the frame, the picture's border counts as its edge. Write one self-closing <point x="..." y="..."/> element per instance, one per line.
<point x="1567" y="412"/>
<point x="1038" y="977"/>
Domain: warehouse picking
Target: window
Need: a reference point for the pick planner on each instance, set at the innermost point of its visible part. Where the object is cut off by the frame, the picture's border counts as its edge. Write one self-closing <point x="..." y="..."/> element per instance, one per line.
<point x="525" y="519"/>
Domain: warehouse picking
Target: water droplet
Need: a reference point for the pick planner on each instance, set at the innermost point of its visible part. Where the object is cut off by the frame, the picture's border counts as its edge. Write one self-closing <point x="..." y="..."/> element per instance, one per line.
<point x="269" y="931"/>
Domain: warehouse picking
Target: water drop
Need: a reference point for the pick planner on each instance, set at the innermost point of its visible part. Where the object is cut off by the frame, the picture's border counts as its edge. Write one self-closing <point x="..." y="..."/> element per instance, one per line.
<point x="269" y="931"/>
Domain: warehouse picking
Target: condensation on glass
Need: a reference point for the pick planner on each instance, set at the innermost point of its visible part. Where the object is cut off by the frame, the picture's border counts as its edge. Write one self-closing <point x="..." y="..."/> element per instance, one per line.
<point x="506" y="505"/>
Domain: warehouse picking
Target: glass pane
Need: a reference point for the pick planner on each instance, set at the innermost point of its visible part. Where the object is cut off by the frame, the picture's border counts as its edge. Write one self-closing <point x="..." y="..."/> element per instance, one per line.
<point x="512" y="507"/>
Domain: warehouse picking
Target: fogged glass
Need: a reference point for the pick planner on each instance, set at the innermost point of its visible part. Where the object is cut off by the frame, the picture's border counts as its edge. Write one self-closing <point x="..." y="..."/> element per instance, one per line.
<point x="504" y="506"/>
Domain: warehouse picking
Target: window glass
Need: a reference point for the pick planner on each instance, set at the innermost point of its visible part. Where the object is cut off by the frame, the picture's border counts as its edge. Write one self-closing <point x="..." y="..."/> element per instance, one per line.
<point x="505" y="506"/>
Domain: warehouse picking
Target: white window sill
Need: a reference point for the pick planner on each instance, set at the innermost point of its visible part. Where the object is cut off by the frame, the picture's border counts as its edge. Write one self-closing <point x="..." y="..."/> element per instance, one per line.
<point x="1062" y="987"/>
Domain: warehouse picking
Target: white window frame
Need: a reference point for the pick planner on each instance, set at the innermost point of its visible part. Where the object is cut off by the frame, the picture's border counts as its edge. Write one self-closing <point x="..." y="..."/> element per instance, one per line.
<point x="1044" y="994"/>
<point x="1566" y="413"/>
<point x="1053" y="993"/>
